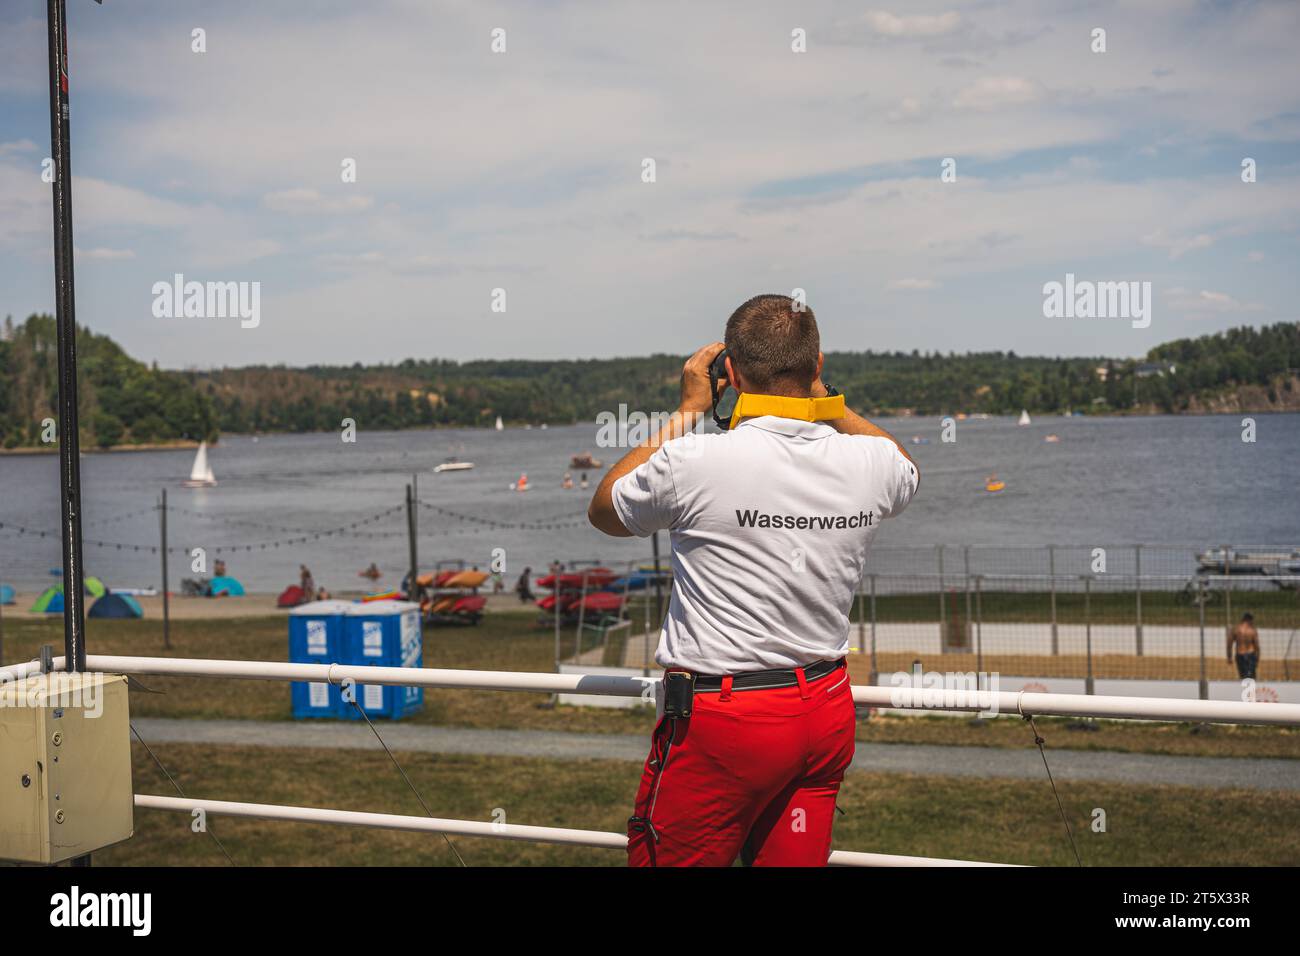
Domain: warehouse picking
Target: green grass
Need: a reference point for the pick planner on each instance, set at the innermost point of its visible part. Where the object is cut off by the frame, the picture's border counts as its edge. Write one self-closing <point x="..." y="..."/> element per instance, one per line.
<point x="512" y="642"/>
<point x="1006" y="821"/>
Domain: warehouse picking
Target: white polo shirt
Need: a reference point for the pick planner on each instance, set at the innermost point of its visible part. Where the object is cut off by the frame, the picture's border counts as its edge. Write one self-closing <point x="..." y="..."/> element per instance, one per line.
<point x="770" y="525"/>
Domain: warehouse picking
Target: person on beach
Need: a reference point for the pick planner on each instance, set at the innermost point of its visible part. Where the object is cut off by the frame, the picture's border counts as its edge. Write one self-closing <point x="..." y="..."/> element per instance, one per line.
<point x="523" y="587"/>
<point x="1246" y="640"/>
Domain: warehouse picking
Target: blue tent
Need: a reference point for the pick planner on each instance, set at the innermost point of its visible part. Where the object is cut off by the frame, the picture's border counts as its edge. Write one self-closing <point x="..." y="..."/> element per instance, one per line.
<point x="50" y="602"/>
<point x="116" y="606"/>
<point x="230" y="586"/>
<point x="6" y="594"/>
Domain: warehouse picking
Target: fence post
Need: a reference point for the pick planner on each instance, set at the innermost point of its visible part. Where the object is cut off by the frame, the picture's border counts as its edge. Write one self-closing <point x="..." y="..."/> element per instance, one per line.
<point x="1087" y="628"/>
<point x="659" y="587"/>
<point x="1051" y="574"/>
<point x="1227" y="587"/>
<point x="979" y="623"/>
<point x="645" y="637"/>
<point x="167" y="617"/>
<point x="943" y="614"/>
<point x="862" y="620"/>
<point x="1137" y="568"/>
<point x="582" y="616"/>
<point x="874" y="673"/>
<point x="966" y="624"/>
<point x="555" y="592"/>
<point x="1205" y="684"/>
<point x="412" y="588"/>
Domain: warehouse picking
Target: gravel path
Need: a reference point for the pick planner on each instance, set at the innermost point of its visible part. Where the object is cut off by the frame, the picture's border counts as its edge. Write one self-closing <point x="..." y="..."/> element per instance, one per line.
<point x="1023" y="764"/>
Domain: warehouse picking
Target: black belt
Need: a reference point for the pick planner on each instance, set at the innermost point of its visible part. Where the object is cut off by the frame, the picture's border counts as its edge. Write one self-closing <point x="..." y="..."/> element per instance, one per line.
<point x="763" y="680"/>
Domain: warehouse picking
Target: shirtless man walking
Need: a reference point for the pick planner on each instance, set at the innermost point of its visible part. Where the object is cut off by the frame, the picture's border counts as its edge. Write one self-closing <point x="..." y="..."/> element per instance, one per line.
<point x="1246" y="638"/>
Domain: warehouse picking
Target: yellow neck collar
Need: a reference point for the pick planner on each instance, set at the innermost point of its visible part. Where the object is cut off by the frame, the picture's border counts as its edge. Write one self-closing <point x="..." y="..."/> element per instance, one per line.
<point x="783" y="406"/>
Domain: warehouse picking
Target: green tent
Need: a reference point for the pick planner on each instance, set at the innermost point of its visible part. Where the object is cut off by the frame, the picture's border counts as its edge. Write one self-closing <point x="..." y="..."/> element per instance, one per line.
<point x="51" y="600"/>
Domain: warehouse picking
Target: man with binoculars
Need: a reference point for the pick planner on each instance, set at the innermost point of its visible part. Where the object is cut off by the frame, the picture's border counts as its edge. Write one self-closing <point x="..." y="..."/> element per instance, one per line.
<point x="770" y="524"/>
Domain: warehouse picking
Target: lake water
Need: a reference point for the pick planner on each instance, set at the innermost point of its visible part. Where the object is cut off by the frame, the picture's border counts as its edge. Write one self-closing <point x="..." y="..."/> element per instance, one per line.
<point x="1185" y="481"/>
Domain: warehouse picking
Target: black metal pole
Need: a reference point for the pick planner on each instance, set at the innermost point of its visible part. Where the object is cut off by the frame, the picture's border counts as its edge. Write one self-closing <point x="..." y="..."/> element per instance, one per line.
<point x="74" y="611"/>
<point x="412" y="589"/>
<point x="167" y="633"/>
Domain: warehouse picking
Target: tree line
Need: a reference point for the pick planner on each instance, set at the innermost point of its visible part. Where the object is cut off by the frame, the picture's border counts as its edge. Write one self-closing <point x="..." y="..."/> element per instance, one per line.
<point x="125" y="401"/>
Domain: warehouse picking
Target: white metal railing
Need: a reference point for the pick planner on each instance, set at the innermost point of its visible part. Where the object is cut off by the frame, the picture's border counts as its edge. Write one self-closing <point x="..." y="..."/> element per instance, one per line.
<point x="1005" y="703"/>
<point x="475" y="828"/>
<point x="1008" y="703"/>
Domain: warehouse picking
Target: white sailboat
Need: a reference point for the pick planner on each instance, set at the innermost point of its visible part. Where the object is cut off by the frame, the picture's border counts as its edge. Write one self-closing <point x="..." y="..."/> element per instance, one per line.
<point x="500" y="425"/>
<point x="1024" y="417"/>
<point x="201" y="473"/>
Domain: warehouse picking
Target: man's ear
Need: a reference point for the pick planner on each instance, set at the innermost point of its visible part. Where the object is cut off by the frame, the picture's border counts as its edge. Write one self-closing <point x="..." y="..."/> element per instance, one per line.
<point x="731" y="375"/>
<point x="821" y="363"/>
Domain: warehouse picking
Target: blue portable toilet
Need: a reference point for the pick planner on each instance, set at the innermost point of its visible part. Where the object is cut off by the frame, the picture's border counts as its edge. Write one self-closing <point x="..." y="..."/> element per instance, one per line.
<point x="316" y="637"/>
<point x="384" y="634"/>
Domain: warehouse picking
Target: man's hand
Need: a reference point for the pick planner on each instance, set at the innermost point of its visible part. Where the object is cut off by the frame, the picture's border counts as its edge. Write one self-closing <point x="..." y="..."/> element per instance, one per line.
<point x="697" y="393"/>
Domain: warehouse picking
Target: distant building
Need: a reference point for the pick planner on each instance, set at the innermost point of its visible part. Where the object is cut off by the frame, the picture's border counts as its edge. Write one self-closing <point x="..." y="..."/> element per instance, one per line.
<point x="1147" y="369"/>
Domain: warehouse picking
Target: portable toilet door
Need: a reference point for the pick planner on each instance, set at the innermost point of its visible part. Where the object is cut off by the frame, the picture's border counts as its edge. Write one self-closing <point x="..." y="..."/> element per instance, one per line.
<point x="384" y="634"/>
<point x="316" y="636"/>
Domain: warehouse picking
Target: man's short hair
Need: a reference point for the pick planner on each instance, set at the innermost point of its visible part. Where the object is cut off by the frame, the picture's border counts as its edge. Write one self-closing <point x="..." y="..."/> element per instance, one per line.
<point x="774" y="343"/>
<point x="1248" y="617"/>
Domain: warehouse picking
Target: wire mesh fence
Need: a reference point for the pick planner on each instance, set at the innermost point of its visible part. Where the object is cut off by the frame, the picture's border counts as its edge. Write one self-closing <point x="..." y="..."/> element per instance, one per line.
<point x="1132" y="560"/>
<point x="1090" y="626"/>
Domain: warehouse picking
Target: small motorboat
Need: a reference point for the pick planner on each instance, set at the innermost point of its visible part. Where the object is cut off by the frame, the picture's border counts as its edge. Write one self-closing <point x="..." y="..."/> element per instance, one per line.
<point x="993" y="484"/>
<point x="521" y="484"/>
<point x="1052" y="439"/>
<point x="579" y="462"/>
<point x="453" y="464"/>
<point x="201" y="472"/>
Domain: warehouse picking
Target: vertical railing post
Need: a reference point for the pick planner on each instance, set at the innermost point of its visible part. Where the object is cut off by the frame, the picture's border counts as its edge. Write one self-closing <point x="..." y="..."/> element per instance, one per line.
<point x="582" y="617"/>
<point x="1227" y="587"/>
<point x="556" y="593"/>
<point x="862" y="619"/>
<point x="1137" y="570"/>
<point x="659" y="590"/>
<point x="162" y="515"/>
<point x="1051" y="586"/>
<point x="979" y="623"/>
<point x="943" y="615"/>
<point x="875" y="674"/>
<point x="1204" y="683"/>
<point x="1087" y="628"/>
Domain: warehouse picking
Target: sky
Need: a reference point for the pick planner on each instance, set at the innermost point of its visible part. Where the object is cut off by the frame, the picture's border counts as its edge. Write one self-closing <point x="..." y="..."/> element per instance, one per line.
<point x="774" y="170"/>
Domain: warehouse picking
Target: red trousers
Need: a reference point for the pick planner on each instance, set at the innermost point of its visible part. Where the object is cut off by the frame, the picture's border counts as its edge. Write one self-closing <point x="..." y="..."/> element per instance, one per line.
<point x="751" y="774"/>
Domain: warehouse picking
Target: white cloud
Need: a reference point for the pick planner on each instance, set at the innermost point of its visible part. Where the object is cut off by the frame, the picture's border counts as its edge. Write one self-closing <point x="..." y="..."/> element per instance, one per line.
<point x="918" y="25"/>
<point x="995" y="92"/>
<point x="523" y="169"/>
<point x="1178" y="246"/>
<point x="1208" y="301"/>
<point x="300" y="201"/>
<point x="104" y="253"/>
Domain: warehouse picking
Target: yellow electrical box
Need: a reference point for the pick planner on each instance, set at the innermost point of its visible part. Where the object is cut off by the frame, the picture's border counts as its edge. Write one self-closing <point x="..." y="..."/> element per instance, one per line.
<point x="65" y="766"/>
